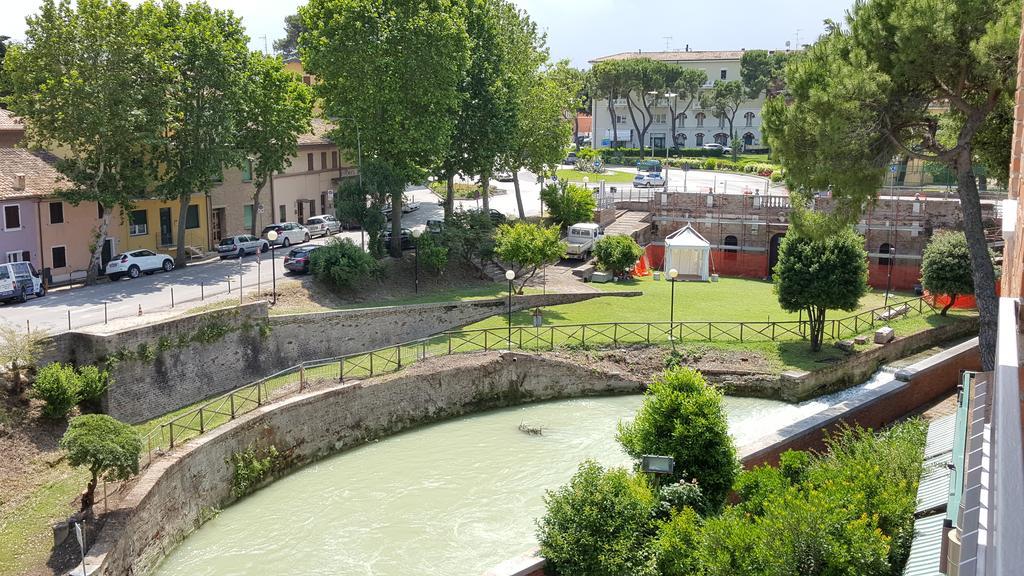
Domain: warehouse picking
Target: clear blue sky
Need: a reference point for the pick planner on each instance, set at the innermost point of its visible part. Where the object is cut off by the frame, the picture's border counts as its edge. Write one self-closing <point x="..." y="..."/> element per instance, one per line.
<point x="584" y="29"/>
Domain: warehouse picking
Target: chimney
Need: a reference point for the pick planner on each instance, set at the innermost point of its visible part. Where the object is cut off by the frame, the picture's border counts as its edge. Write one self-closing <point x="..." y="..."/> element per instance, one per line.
<point x="19" y="181"/>
<point x="687" y="47"/>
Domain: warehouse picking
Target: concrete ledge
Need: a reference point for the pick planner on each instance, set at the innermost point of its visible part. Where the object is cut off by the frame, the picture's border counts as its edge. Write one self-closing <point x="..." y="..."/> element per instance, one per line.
<point x="529" y="564"/>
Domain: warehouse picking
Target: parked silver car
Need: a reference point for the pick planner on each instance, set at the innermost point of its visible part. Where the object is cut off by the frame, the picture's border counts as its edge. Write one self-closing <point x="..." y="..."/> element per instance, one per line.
<point x="323" y="225"/>
<point x="240" y="245"/>
<point x="288" y="233"/>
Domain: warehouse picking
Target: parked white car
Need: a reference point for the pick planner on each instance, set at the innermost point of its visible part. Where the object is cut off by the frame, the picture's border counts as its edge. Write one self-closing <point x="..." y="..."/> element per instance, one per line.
<point x="648" y="179"/>
<point x="323" y="225"/>
<point x="240" y="245"/>
<point x="19" y="280"/>
<point x="717" y="146"/>
<point x="288" y="233"/>
<point x="136" y="262"/>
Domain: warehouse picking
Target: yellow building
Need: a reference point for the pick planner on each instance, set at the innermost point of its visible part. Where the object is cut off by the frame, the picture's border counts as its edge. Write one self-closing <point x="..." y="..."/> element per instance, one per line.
<point x="153" y="224"/>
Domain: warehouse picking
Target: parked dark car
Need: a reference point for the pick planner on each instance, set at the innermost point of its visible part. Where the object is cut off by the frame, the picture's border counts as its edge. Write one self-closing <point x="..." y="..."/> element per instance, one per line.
<point x="496" y="216"/>
<point x="385" y="237"/>
<point x="570" y="159"/>
<point x="435" y="227"/>
<point x="298" y="259"/>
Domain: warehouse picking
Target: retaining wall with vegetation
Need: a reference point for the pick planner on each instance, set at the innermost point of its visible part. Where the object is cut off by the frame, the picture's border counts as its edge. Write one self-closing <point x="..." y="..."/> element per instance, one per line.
<point x="167" y="365"/>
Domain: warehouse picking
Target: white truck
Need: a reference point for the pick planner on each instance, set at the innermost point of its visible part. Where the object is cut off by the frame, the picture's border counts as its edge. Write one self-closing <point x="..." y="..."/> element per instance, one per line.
<point x="580" y="240"/>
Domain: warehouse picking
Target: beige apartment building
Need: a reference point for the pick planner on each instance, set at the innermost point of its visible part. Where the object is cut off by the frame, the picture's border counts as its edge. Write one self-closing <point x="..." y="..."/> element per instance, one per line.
<point x="305" y="188"/>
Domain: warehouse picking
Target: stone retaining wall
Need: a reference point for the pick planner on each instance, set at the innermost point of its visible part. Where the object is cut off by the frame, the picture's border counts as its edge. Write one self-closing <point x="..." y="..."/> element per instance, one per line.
<point x="167" y="365"/>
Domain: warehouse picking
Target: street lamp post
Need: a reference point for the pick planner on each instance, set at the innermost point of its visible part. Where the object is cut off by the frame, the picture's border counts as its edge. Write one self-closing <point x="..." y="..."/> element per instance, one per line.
<point x="888" y="284"/>
<point x="272" y="238"/>
<point x="416" y="233"/>
<point x="672" y="274"/>
<point x="510" y="276"/>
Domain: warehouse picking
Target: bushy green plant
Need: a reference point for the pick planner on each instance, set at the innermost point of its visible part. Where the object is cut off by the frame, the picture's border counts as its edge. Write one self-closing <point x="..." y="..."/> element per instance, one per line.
<point x="733" y="545"/>
<point x="946" y="266"/>
<point x="251" y="467"/>
<point x="469" y="235"/>
<point x="568" y="204"/>
<point x="92" y="383"/>
<point x="19" y="351"/>
<point x="432" y="255"/>
<point x="106" y="447"/>
<point x="342" y="264"/>
<point x="793" y="464"/>
<point x="676" y="544"/>
<point x="600" y="524"/>
<point x="755" y="487"/>
<point x="527" y="248"/>
<point x="676" y="496"/>
<point x="57" y="386"/>
<point x="617" y="254"/>
<point x="682" y="417"/>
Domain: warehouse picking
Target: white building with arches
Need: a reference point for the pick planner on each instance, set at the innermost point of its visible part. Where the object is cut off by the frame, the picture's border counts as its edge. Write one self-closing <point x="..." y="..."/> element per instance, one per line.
<point x="695" y="126"/>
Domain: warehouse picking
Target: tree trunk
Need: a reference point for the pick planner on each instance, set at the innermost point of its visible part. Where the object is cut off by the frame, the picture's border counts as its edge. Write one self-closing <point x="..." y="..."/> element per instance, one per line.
<point x="952" y="300"/>
<point x="981" y="262"/>
<point x="449" y="197"/>
<point x="519" y="196"/>
<point x="89" y="496"/>
<point x="179" y="254"/>
<point x="636" y="126"/>
<point x="576" y="131"/>
<point x="816" y="319"/>
<point x="615" y="126"/>
<point x="485" y="188"/>
<point x="255" y="209"/>
<point x="96" y="263"/>
<point x="396" y="223"/>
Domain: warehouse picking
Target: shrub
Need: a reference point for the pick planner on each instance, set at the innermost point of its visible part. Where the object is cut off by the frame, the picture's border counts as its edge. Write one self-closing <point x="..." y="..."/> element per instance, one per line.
<point x="794" y="464"/>
<point x="469" y="235"/>
<point x="106" y="447"/>
<point x="58" y="386"/>
<point x="617" y="254"/>
<point x="679" y="495"/>
<point x="568" y="204"/>
<point x="755" y="487"/>
<point x="682" y="417"/>
<point x="946" y="266"/>
<point x="342" y="264"/>
<point x="600" y="524"/>
<point x="676" y="543"/>
<point x="527" y="247"/>
<point x="19" y="351"/>
<point x="733" y="545"/>
<point x="432" y="255"/>
<point x="251" y="467"/>
<point x="92" y="383"/>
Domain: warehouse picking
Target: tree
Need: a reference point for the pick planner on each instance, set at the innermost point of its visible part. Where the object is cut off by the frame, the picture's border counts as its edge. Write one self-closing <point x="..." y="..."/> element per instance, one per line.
<point x="206" y="52"/>
<point x="289" y="45"/>
<point x="353" y="204"/>
<point x="600" y="524"/>
<point x="568" y="204"/>
<point x="617" y="254"/>
<point x="342" y="264"/>
<point x="609" y="83"/>
<point x="682" y="417"/>
<point x="538" y="142"/>
<point x="724" y="100"/>
<point x="820" y="273"/>
<point x="106" y="447"/>
<point x="527" y="247"/>
<point x="275" y="111"/>
<point x="90" y="80"/>
<point x="685" y="83"/>
<point x="861" y="96"/>
<point x="946" y="266"/>
<point x="642" y="77"/>
<point x="20" y="351"/>
<point x="394" y="68"/>
<point x="762" y="73"/>
<point x="5" y="90"/>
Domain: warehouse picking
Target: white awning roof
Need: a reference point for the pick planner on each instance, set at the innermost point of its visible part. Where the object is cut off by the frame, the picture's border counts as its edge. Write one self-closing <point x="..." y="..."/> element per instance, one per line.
<point x="686" y="237"/>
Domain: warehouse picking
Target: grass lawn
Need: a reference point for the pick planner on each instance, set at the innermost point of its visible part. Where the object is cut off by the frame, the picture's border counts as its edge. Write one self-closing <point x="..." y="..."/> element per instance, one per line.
<point x="463" y="191"/>
<point x="611" y="176"/>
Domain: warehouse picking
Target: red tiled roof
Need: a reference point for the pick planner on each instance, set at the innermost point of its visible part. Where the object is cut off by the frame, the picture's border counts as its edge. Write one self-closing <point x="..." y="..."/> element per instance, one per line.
<point x="9" y="121"/>
<point x="316" y="137"/>
<point x="41" y="177"/>
<point x="677" y="55"/>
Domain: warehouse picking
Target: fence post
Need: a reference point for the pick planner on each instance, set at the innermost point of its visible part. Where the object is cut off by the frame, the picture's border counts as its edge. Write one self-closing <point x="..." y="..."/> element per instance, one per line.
<point x="104" y="312"/>
<point x="449" y="334"/>
<point x="615" y="333"/>
<point x="202" y="424"/>
<point x="371" y="363"/>
<point x="773" y="331"/>
<point x="552" y="338"/>
<point x="583" y="337"/>
<point x="741" y="331"/>
<point x="302" y="377"/>
<point x="341" y="369"/>
<point x="398" y="352"/>
<point x="170" y="428"/>
<point x="232" y="399"/>
<point x="69" y="318"/>
<point x="172" y="296"/>
<point x="520" y="338"/>
<point x="709" y="331"/>
<point x="856" y="324"/>
<point x="202" y="292"/>
<point x="648" y="332"/>
<point x="259" y="393"/>
<point x="486" y="331"/>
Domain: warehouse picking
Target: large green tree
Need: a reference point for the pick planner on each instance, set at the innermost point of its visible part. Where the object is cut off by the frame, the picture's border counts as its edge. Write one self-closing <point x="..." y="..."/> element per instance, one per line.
<point x="685" y="83"/>
<point x="289" y="45"/>
<point x="880" y="88"/>
<point x="105" y="447"/>
<point x="818" y="272"/>
<point x="762" y="73"/>
<point x="394" y="68"/>
<point x="724" y="100"/>
<point x="609" y="82"/>
<point x="645" y="84"/>
<point x="5" y="89"/>
<point x="207" y="55"/>
<point x="89" y="79"/>
<point x="275" y="111"/>
<point x="946" y="266"/>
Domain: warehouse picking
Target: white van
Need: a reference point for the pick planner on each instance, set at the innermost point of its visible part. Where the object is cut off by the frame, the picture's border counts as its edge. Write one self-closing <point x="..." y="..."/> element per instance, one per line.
<point x="18" y="280"/>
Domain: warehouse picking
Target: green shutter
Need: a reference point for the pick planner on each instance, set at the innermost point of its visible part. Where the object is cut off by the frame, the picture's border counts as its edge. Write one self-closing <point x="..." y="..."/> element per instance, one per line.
<point x="192" y="217"/>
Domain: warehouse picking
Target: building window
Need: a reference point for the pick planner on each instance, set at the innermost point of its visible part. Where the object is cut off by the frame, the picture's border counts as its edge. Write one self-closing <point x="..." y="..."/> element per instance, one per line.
<point x="723" y="73"/>
<point x="323" y="160"/>
<point x="309" y="162"/>
<point x="247" y="216"/>
<point x="749" y="117"/>
<point x="19" y="256"/>
<point x="59" y="257"/>
<point x="247" y="171"/>
<point x="721" y="121"/>
<point x="730" y="243"/>
<point x="99" y="211"/>
<point x="192" y="217"/>
<point x="660" y="118"/>
<point x="681" y="139"/>
<point x="620" y="119"/>
<point x="137" y="223"/>
<point x="748" y="139"/>
<point x="56" y="212"/>
<point x="12" y="217"/>
<point x="885" y="260"/>
<point x="307" y="80"/>
<point x="699" y="140"/>
<point x="682" y="120"/>
<point x="722" y="138"/>
<point x="700" y="120"/>
<point x="284" y="213"/>
<point x="334" y="159"/>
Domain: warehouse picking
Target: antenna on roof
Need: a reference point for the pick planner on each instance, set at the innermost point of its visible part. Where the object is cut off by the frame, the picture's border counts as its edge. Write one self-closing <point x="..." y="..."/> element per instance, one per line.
<point x="687" y="47"/>
<point x="668" y="42"/>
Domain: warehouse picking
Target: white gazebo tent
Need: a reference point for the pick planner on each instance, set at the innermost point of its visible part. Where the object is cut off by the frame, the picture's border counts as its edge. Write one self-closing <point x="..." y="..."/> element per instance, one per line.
<point x="689" y="253"/>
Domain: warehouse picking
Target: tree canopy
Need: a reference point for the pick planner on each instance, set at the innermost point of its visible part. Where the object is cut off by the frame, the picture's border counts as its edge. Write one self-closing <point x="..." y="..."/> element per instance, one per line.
<point x="568" y="204"/>
<point x="817" y="273"/>
<point x="724" y="100"/>
<point x="617" y="254"/>
<point x="527" y="248"/>
<point x="393" y="69"/>
<point x="762" y="73"/>
<point x="105" y="447"/>
<point x="946" y="266"/>
<point x="930" y="80"/>
<point x="289" y="45"/>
